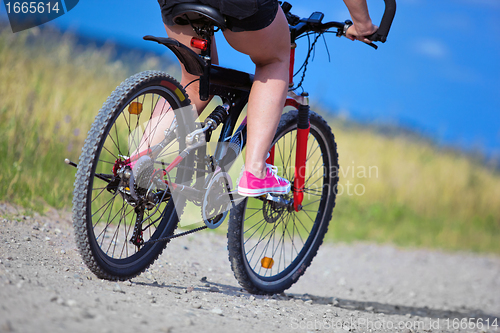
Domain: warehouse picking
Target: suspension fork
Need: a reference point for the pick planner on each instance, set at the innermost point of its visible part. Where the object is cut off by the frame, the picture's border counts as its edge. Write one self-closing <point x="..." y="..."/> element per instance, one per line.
<point x="301" y="103"/>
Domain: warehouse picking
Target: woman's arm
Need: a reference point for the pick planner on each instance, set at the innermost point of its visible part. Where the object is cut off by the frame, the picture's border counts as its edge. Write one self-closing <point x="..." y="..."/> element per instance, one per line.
<point x="362" y="23"/>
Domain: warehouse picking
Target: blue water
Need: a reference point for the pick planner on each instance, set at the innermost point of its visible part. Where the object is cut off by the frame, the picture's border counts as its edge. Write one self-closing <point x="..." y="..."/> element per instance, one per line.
<point x="439" y="72"/>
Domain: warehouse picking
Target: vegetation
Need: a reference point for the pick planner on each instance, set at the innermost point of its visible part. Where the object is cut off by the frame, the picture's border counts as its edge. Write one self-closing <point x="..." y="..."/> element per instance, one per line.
<point x="50" y="91"/>
<point x="395" y="189"/>
<point x="413" y="193"/>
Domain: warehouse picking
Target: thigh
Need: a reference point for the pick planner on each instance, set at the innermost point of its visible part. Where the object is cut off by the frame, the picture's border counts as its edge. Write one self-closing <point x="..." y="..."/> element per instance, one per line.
<point x="266" y="45"/>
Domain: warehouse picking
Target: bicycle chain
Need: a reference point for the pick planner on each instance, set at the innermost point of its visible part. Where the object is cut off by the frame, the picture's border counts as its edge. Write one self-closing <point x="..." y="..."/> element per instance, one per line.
<point x="168" y="238"/>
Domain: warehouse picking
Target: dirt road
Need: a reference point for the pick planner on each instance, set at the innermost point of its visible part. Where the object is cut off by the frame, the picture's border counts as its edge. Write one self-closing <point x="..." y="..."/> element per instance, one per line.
<point x="45" y="287"/>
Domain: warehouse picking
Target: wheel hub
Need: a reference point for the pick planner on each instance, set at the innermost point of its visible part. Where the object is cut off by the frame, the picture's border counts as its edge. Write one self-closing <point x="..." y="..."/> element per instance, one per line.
<point x="138" y="184"/>
<point x="275" y="206"/>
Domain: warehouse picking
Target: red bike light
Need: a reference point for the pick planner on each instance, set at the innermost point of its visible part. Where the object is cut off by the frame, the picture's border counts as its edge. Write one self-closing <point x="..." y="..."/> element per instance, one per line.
<point x="198" y="43"/>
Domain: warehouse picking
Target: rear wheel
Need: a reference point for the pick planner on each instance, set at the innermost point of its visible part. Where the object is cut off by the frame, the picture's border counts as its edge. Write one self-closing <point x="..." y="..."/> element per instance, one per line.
<point x="113" y="216"/>
<point x="270" y="247"/>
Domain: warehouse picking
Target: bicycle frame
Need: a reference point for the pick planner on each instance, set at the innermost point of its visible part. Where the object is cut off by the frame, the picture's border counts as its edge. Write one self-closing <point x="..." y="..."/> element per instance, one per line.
<point x="234" y="89"/>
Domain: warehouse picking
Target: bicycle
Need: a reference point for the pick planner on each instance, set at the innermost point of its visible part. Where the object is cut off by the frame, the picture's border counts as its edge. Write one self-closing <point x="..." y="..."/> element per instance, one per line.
<point x="133" y="184"/>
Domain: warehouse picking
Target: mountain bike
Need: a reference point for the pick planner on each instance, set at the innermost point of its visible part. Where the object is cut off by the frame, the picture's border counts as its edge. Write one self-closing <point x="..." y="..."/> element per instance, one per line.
<point x="146" y="157"/>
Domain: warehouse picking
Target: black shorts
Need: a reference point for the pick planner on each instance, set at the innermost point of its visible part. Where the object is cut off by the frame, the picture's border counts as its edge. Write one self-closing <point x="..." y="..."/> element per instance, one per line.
<point x="241" y="15"/>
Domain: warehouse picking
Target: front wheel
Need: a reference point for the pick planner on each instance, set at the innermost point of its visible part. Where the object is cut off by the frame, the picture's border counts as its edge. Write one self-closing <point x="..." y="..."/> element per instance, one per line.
<point x="270" y="247"/>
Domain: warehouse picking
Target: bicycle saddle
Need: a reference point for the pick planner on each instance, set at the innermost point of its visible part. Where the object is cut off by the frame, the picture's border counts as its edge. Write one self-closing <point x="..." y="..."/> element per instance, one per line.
<point x="197" y="12"/>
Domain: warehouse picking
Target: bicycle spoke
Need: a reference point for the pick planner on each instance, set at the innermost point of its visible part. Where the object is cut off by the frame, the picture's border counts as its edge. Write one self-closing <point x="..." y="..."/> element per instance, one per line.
<point x="113" y="140"/>
<point x="256" y="224"/>
<point x="310" y="203"/>
<point x="108" y="162"/>
<point x="291" y="150"/>
<point x="107" y="224"/>
<point x="108" y="204"/>
<point x="254" y="248"/>
<point x="98" y="194"/>
<point x="292" y="238"/>
<point x="280" y="241"/>
<point x="298" y="232"/>
<point x="125" y="241"/>
<point x="260" y="223"/>
<point x="266" y="246"/>
<point x="302" y="224"/>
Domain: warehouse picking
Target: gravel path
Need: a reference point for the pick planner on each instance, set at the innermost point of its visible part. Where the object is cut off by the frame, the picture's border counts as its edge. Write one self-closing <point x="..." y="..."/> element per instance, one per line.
<point x="45" y="287"/>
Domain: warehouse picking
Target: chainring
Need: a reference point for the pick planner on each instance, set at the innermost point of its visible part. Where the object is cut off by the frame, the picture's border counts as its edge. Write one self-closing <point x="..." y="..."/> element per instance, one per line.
<point x="216" y="205"/>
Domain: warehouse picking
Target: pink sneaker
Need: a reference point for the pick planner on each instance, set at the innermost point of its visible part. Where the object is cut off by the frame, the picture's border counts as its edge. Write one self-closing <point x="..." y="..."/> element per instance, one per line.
<point x="251" y="186"/>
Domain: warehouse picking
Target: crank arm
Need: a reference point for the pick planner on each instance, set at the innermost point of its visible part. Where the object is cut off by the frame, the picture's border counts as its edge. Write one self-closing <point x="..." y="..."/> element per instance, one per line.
<point x="278" y="200"/>
<point x="188" y="192"/>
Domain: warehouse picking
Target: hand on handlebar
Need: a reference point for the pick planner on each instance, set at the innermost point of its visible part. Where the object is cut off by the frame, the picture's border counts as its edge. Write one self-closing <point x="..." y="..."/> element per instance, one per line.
<point x="355" y="32"/>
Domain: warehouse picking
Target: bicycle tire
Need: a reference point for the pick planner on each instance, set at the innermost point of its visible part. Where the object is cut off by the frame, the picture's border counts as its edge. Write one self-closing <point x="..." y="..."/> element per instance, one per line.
<point x="93" y="233"/>
<point x="241" y="228"/>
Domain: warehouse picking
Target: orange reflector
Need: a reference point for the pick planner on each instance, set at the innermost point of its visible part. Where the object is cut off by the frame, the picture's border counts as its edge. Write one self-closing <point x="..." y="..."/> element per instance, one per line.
<point x="135" y="108"/>
<point x="267" y="262"/>
<point x="198" y="43"/>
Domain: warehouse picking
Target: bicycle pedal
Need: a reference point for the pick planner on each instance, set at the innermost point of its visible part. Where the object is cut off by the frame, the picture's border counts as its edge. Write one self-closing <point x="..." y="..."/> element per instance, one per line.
<point x="273" y="197"/>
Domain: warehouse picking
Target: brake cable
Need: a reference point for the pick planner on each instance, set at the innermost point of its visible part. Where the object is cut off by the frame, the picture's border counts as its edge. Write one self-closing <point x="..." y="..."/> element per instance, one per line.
<point x="303" y="68"/>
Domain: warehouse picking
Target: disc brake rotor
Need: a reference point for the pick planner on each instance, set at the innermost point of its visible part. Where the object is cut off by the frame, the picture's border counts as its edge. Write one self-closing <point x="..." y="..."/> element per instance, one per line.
<point x="272" y="211"/>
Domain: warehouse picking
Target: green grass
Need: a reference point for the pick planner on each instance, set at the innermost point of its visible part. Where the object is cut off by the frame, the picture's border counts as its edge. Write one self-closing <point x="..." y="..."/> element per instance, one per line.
<point x="413" y="194"/>
<point x="50" y="91"/>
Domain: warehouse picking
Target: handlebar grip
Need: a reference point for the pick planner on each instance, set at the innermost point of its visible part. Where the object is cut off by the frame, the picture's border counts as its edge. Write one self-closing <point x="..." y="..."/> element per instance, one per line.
<point x="286" y="7"/>
<point x="385" y="25"/>
<point x="292" y="19"/>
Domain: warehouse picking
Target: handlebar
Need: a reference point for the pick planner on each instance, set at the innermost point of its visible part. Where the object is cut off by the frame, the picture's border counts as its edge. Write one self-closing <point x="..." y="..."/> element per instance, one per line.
<point x="300" y="26"/>
<point x="385" y="24"/>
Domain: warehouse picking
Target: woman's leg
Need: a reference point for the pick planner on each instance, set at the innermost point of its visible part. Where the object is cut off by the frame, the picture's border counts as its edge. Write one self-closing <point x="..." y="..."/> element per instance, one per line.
<point x="162" y="116"/>
<point x="269" y="49"/>
<point x="184" y="33"/>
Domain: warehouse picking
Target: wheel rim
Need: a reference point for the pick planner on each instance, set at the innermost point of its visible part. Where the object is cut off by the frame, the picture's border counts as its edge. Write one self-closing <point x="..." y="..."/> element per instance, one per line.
<point x="274" y="248"/>
<point x="110" y="218"/>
